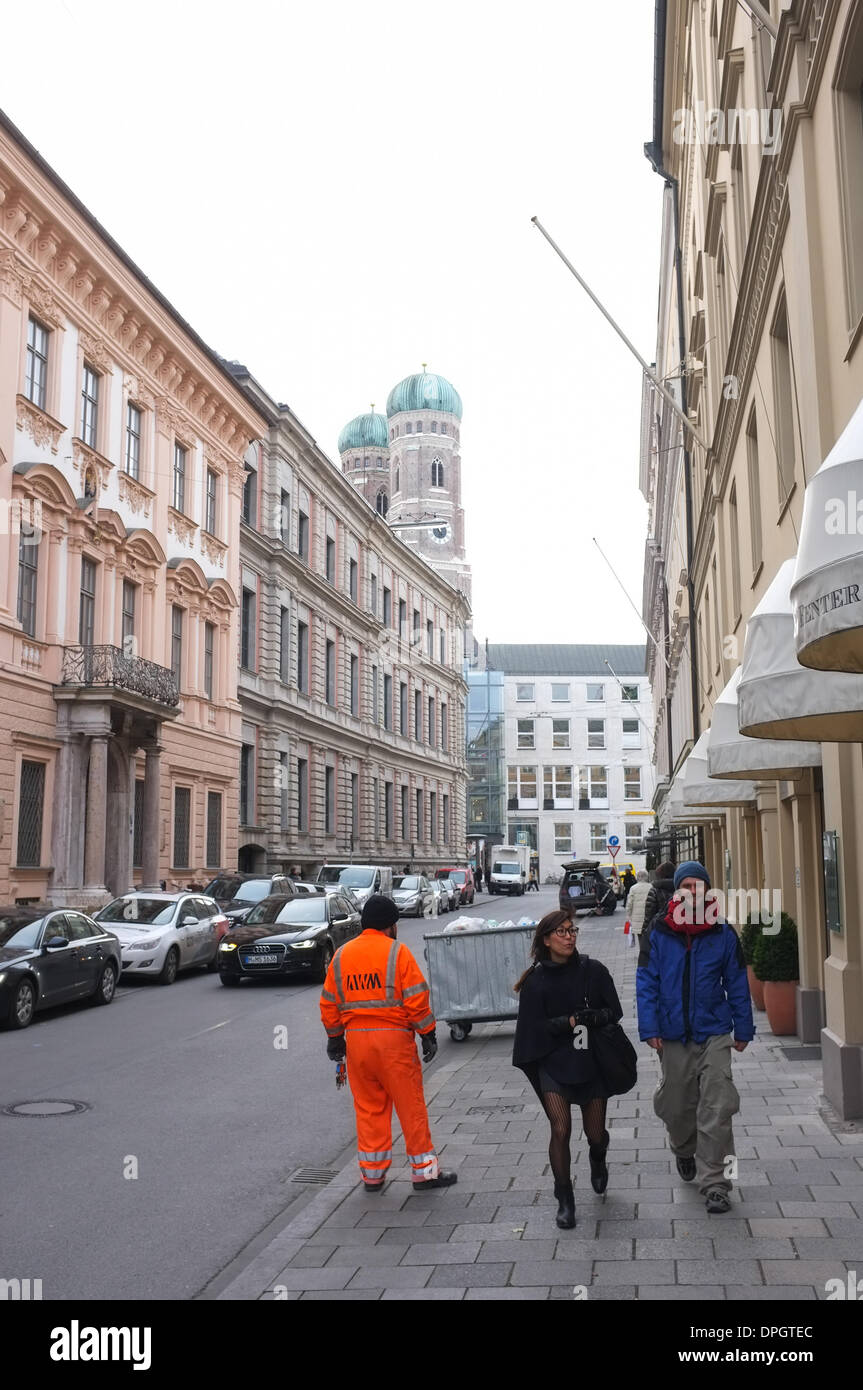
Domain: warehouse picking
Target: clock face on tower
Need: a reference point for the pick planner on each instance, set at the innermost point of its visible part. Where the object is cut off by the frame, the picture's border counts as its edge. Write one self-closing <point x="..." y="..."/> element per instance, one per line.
<point x="440" y="534"/>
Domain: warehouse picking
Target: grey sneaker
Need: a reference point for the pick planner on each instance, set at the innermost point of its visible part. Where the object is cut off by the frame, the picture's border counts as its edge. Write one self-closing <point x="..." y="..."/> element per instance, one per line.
<point x="718" y="1201"/>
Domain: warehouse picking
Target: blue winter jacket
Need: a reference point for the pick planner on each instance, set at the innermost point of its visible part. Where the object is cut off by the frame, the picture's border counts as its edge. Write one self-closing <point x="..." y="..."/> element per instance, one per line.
<point x="692" y="995"/>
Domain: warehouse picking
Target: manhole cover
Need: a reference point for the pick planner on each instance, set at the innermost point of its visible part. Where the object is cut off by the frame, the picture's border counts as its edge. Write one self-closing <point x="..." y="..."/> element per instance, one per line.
<point x="315" y="1177"/>
<point x="45" y="1109"/>
<point x="495" y="1110"/>
<point x="805" y="1053"/>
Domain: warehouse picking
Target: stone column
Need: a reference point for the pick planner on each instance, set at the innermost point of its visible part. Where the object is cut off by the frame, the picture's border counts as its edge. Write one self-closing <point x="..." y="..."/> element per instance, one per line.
<point x="150" y="867"/>
<point x="97" y="814"/>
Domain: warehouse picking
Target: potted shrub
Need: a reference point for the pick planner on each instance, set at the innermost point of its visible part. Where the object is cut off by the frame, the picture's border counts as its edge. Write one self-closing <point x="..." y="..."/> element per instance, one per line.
<point x="775" y="963"/>
<point x="749" y="934"/>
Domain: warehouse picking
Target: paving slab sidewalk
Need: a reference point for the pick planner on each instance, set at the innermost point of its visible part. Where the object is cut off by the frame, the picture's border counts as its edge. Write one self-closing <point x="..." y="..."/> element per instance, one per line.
<point x="796" y="1219"/>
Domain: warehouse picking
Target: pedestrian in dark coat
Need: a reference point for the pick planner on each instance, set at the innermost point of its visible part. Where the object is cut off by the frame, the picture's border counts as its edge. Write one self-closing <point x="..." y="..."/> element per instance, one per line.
<point x="562" y="996"/>
<point x="661" y="892"/>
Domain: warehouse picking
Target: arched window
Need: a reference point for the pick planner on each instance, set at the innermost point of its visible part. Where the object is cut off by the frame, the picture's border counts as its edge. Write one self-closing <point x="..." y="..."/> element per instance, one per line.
<point x="397" y="479"/>
<point x="382" y="503"/>
<point x="437" y="473"/>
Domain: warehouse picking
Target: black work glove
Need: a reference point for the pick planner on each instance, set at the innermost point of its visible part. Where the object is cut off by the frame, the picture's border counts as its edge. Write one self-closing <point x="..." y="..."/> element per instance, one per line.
<point x="336" y="1049"/>
<point x="560" y="1025"/>
<point x="593" y="1018"/>
<point x="429" y="1042"/>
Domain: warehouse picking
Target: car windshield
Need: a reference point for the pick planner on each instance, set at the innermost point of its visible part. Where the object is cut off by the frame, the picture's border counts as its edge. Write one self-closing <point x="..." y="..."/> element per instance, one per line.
<point x="460" y="876"/>
<point x="253" y="890"/>
<point x="149" y="912"/>
<point x="505" y="869"/>
<point x="305" y="912"/>
<point x="406" y="881"/>
<point x="14" y="932"/>
<point x="351" y="877"/>
<point x="222" y="889"/>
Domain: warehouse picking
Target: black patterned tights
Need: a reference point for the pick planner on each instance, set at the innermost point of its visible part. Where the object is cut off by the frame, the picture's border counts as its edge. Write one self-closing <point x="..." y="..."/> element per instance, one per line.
<point x="559" y="1112"/>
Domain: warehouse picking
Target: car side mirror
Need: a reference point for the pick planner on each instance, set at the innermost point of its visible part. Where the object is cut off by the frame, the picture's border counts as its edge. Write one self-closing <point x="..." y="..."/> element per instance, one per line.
<point x="189" y="921"/>
<point x="56" y="943"/>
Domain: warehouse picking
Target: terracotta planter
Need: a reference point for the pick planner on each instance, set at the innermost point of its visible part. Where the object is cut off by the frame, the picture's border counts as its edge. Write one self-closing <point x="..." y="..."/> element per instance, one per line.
<point x="780" y="1000"/>
<point x="756" y="988"/>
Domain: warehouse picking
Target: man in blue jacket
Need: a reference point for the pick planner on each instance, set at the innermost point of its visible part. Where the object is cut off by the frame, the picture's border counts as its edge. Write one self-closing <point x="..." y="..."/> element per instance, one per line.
<point x="692" y="994"/>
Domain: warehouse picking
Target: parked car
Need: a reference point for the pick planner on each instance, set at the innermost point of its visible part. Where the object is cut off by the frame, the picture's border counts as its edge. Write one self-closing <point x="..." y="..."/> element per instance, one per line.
<point x="441" y="896"/>
<point x="584" y="888"/>
<point x="163" y="933"/>
<point x="453" y="892"/>
<point x="362" y="879"/>
<point x="413" y="896"/>
<point x="464" y="881"/>
<point x="237" y="894"/>
<point x="50" y="957"/>
<point x="288" y="936"/>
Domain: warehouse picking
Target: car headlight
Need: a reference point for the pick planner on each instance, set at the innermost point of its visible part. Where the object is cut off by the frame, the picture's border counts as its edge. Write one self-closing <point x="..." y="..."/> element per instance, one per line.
<point x="303" y="945"/>
<point x="228" y="946"/>
<point x="2" y="976"/>
<point x="142" y="945"/>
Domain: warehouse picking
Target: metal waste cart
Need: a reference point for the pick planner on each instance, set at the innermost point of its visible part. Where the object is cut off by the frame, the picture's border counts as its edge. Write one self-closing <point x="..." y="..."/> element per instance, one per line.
<point x="472" y="974"/>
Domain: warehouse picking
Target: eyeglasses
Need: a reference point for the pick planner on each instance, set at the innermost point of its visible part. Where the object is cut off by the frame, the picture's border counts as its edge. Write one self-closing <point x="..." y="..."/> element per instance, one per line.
<point x="565" y="931"/>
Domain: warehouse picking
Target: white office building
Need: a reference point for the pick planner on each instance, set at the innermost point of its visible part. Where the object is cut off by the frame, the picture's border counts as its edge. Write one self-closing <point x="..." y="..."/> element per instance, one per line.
<point x="579" y="749"/>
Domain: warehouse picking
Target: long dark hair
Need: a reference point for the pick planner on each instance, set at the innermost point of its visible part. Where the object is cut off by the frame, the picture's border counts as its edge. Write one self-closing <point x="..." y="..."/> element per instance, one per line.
<point x="539" y="947"/>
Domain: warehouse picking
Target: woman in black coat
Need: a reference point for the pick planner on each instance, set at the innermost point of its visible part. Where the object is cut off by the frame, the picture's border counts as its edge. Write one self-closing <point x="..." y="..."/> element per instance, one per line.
<point x="561" y="997"/>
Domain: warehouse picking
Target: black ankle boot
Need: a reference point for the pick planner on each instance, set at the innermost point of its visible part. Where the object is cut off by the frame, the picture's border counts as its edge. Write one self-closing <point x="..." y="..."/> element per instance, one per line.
<point x="598" y="1165"/>
<point x="565" y="1205"/>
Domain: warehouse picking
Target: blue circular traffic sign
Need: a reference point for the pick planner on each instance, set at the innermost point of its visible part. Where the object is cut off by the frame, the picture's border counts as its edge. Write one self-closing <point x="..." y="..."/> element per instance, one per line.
<point x="613" y="840"/>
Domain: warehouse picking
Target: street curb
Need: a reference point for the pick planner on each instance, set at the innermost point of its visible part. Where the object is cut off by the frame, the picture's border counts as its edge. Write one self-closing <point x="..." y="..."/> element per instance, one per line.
<point x="262" y="1270"/>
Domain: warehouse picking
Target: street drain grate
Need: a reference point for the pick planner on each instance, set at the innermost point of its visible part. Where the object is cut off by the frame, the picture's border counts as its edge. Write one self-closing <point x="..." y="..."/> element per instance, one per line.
<point x="803" y="1053"/>
<point x="496" y="1110"/>
<point x="44" y="1109"/>
<point x="315" y="1177"/>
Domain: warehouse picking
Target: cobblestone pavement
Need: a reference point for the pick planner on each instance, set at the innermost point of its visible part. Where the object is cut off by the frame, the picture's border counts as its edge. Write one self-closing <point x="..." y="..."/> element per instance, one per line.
<point x="796" y="1219"/>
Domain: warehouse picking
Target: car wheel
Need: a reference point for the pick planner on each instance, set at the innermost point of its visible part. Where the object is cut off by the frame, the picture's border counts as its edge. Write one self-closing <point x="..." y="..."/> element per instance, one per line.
<point x="23" y="1005"/>
<point x="107" y="986"/>
<point x="168" y="973"/>
<point x="325" y="963"/>
<point x="610" y="908"/>
<point x="229" y="981"/>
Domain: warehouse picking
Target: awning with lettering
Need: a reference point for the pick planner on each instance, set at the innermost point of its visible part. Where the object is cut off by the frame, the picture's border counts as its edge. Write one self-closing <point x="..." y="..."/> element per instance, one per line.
<point x="700" y="789"/>
<point x="777" y="698"/>
<point x="827" y="593"/>
<point x="732" y="755"/>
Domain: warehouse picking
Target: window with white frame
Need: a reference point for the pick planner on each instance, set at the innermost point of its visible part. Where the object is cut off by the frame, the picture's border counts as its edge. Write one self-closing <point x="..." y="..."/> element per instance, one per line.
<point x="179" y="493"/>
<point x="631" y="734"/>
<point x="557" y="784"/>
<point x="593" y="786"/>
<point x="89" y="406"/>
<point x="559" y="692"/>
<point x="629" y="692"/>
<point x="36" y="384"/>
<point x="598" y="837"/>
<point x="210" y="503"/>
<point x="560" y="733"/>
<point x="526" y="734"/>
<point x="596" y="733"/>
<point x="524" y="692"/>
<point x="133" y="441"/>
<point x="595" y="693"/>
<point x="634" y="836"/>
<point x="563" y="837"/>
<point x="632" y="784"/>
<point x="522" y="784"/>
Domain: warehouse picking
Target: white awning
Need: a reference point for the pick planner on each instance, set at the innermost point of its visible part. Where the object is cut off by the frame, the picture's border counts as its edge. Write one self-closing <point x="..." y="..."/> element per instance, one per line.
<point x="779" y="698"/>
<point x="827" y="593"/>
<point x="731" y="754"/>
<point x="679" y="812"/>
<point x="700" y="789"/>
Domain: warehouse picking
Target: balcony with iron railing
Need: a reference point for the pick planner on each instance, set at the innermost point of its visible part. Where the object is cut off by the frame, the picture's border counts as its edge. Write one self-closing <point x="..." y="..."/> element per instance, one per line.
<point x="110" y="667"/>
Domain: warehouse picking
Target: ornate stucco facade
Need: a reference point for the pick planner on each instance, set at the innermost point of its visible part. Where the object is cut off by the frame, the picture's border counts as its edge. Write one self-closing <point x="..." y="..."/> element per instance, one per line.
<point x="122" y="439"/>
<point x="351" y="680"/>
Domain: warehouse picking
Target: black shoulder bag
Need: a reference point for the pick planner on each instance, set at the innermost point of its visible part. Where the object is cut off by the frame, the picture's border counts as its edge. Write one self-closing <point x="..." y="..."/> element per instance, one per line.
<point x="614" y="1056"/>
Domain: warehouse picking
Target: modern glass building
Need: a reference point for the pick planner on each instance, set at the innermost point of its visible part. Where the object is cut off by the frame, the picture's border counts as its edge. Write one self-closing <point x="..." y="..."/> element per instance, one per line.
<point x="486" y="764"/>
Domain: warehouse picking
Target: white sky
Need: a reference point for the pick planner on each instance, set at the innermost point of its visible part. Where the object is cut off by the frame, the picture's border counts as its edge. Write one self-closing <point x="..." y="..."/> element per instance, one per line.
<point x="334" y="193"/>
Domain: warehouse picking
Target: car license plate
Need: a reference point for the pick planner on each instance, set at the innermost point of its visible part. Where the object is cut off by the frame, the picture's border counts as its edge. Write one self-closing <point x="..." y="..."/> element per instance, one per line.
<point x="261" y="960"/>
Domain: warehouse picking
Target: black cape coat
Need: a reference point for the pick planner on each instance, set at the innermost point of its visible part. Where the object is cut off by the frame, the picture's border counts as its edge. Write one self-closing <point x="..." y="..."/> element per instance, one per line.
<point x="549" y="995"/>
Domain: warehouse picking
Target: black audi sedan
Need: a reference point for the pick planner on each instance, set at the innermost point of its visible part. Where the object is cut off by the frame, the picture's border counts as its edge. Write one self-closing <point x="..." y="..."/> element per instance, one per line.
<point x="288" y="936"/>
<point x="50" y="956"/>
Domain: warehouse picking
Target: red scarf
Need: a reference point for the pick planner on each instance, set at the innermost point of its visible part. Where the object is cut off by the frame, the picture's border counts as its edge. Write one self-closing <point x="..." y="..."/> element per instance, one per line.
<point x="689" y="929"/>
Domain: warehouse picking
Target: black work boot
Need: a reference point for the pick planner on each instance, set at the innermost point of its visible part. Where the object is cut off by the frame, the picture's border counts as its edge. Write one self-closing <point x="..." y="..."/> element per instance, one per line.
<point x="442" y="1180"/>
<point x="565" y="1205"/>
<point x="598" y="1165"/>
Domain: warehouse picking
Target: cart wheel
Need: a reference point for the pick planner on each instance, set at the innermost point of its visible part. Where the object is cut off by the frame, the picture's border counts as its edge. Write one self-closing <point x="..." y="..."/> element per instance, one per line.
<point x="467" y="1027"/>
<point x="459" y="1031"/>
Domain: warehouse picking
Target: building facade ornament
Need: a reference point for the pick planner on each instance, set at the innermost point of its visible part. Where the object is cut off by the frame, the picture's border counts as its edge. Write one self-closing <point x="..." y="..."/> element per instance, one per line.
<point x="40" y="426"/>
<point x="138" y="499"/>
<point x="95" y="350"/>
<point x="181" y="527"/>
<point x="84" y="458"/>
<point x="214" y="549"/>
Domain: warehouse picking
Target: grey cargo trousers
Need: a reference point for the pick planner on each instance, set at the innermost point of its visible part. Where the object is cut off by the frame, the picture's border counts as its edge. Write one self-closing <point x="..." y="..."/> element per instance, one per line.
<point x="696" y="1100"/>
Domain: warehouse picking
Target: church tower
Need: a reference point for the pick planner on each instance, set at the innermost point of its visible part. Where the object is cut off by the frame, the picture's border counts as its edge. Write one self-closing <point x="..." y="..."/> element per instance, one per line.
<point x="365" y="456"/>
<point x="424" y="422"/>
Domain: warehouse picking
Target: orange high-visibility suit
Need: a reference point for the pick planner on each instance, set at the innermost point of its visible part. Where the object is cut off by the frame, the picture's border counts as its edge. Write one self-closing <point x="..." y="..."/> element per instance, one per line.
<point x="376" y="996"/>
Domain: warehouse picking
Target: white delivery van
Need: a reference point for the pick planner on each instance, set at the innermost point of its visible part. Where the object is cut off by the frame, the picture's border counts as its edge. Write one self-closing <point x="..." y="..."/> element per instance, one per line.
<point x="509" y="866"/>
<point x="362" y="879"/>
